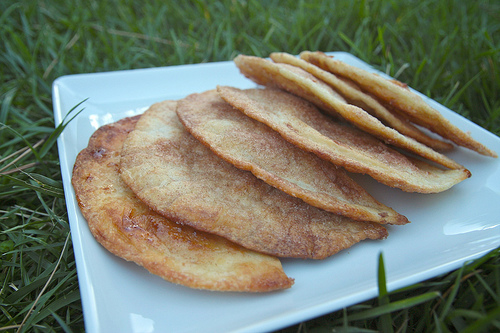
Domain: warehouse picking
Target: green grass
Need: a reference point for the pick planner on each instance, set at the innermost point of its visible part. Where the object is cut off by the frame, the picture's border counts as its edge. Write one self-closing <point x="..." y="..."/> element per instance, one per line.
<point x="449" y="50"/>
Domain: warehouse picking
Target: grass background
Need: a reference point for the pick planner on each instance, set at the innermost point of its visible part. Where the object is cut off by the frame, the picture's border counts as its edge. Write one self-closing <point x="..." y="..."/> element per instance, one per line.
<point x="449" y="50"/>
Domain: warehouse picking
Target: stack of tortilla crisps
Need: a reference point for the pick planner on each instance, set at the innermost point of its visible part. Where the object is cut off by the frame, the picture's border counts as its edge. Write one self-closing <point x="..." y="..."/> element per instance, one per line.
<point x="211" y="190"/>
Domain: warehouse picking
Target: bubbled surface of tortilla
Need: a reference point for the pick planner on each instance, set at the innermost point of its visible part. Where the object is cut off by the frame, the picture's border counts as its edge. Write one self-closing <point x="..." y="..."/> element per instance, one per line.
<point x="183" y="180"/>
<point x="129" y="229"/>
<point x="307" y="127"/>
<point x="253" y="146"/>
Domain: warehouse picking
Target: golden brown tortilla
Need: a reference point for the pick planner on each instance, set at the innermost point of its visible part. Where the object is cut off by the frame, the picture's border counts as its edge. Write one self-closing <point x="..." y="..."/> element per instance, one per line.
<point x="129" y="229"/>
<point x="305" y="126"/>
<point x="400" y="98"/>
<point x="301" y="83"/>
<point x="356" y="96"/>
<point x="253" y="146"/>
<point x="183" y="180"/>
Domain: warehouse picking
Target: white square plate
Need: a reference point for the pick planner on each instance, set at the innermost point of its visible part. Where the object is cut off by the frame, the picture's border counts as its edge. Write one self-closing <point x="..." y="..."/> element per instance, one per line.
<point x="447" y="229"/>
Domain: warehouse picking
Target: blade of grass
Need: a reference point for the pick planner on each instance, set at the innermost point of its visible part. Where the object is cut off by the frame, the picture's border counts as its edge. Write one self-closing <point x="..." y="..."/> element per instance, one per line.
<point x="60" y="128"/>
<point x="45" y="286"/>
<point x="394" y="306"/>
<point x="385" y="320"/>
<point x="37" y="186"/>
<point x="22" y="153"/>
<point x="492" y="318"/>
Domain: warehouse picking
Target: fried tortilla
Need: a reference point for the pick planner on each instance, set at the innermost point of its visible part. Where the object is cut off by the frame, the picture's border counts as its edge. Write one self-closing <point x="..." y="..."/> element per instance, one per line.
<point x="253" y="146"/>
<point x="400" y="98"/>
<point x="185" y="181"/>
<point x="304" y="125"/>
<point x="129" y="229"/>
<point x="356" y="96"/>
<point x="301" y="83"/>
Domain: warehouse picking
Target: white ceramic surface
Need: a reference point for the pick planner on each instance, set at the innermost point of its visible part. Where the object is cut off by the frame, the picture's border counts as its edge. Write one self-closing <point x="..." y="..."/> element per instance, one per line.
<point x="447" y="229"/>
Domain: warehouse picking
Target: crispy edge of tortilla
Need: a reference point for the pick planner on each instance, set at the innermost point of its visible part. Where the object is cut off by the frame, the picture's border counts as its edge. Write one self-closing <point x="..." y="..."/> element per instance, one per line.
<point x="207" y="117"/>
<point x="297" y="81"/>
<point x="403" y="99"/>
<point x="129" y="229"/>
<point x="356" y="96"/>
<point x="180" y="178"/>
<point x="324" y="142"/>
